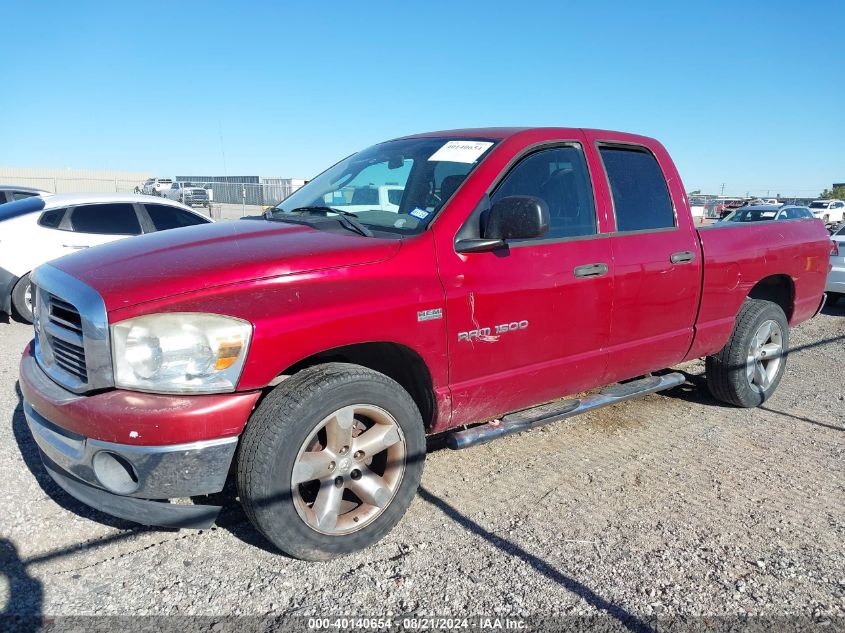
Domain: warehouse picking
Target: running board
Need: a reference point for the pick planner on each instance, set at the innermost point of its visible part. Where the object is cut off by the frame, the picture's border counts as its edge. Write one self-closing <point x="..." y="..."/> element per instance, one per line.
<point x="560" y="410"/>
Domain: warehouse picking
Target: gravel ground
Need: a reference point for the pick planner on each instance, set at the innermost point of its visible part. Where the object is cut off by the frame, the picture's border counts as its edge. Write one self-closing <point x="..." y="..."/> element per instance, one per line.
<point x="671" y="505"/>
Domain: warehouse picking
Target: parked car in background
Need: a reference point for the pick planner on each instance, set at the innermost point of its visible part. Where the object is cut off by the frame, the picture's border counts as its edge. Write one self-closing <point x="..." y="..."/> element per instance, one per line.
<point x="697" y="205"/>
<point x="10" y="193"/>
<point x="767" y="212"/>
<point x="187" y="193"/>
<point x="716" y="208"/>
<point x="155" y="186"/>
<point x="366" y="196"/>
<point x="38" y="229"/>
<point x="835" y="287"/>
<point x="829" y="211"/>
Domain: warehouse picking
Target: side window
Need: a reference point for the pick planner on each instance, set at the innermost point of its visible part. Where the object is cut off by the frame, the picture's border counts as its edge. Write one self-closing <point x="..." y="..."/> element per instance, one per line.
<point x="165" y="217"/>
<point x="107" y="219"/>
<point x="394" y="196"/>
<point x="52" y="218"/>
<point x="559" y="177"/>
<point x="640" y="196"/>
<point x="20" y="195"/>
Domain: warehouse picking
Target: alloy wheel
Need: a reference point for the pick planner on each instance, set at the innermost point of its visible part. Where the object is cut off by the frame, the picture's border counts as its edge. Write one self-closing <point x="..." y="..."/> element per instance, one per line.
<point x="765" y="355"/>
<point x="348" y="470"/>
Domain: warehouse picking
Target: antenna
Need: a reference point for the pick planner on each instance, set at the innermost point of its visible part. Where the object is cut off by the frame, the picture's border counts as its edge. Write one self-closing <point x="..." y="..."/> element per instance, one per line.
<point x="222" y="151"/>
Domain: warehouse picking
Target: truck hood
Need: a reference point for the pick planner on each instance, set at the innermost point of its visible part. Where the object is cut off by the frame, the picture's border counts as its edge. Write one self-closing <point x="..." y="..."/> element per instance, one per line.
<point x="178" y="261"/>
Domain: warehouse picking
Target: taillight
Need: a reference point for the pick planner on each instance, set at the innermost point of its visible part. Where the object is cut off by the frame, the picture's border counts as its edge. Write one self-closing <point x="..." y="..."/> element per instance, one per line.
<point x="834" y="248"/>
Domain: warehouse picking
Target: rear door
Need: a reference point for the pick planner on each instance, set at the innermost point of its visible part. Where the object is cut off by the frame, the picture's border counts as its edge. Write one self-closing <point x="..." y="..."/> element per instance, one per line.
<point x="656" y="257"/>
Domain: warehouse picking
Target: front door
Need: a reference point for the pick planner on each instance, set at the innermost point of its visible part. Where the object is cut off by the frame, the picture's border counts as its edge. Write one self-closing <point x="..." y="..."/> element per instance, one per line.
<point x="530" y="323"/>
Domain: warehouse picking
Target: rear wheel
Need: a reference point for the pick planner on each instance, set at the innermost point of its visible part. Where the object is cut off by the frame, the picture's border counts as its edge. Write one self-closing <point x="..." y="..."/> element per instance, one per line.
<point x="750" y="366"/>
<point x="833" y="298"/>
<point x="330" y="460"/>
<point x="22" y="299"/>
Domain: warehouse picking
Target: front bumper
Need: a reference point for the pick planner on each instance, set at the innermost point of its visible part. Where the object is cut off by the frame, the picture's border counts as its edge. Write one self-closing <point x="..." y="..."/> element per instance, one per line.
<point x="123" y="480"/>
<point x="7" y="284"/>
<point x="129" y="479"/>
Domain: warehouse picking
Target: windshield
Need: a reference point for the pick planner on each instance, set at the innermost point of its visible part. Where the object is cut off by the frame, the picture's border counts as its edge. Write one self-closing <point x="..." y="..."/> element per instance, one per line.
<point x="819" y="205"/>
<point x="396" y="187"/>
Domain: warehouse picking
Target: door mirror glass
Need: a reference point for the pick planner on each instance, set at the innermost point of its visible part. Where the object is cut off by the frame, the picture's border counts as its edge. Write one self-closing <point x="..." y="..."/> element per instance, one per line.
<point x="517" y="218"/>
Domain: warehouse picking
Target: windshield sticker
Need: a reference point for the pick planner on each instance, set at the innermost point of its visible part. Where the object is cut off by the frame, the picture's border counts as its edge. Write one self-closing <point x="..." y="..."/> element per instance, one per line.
<point x="461" y="151"/>
<point x="422" y="214"/>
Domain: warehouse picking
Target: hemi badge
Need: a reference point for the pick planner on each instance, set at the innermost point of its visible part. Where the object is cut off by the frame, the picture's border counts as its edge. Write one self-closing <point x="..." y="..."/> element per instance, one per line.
<point x="430" y="315"/>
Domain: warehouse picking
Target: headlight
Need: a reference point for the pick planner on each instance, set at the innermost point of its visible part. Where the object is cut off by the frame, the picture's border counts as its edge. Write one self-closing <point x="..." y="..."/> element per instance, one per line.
<point x="180" y="352"/>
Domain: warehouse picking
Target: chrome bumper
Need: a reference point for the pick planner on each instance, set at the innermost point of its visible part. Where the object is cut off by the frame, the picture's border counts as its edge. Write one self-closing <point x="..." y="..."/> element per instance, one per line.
<point x="121" y="479"/>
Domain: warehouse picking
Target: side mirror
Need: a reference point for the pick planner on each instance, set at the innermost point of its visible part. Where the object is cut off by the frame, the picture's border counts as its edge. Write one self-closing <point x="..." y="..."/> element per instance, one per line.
<point x="517" y="218"/>
<point x="511" y="218"/>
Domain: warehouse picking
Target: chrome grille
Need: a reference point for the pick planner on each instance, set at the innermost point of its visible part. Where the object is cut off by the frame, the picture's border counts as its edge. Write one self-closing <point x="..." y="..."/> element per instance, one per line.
<point x="71" y="331"/>
<point x="65" y="315"/>
<point x="70" y="357"/>
<point x="61" y="326"/>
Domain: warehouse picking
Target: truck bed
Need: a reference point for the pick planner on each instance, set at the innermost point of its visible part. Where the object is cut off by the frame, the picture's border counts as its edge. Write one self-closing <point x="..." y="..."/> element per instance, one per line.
<point x="738" y="256"/>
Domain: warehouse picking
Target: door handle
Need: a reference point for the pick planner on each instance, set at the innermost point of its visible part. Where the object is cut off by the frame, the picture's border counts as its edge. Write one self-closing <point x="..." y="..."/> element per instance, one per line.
<point x="682" y="257"/>
<point x="591" y="270"/>
<point x="76" y="246"/>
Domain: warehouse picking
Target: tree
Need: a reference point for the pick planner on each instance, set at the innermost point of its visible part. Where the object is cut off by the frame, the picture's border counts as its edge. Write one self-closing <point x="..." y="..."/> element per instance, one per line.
<point x="837" y="192"/>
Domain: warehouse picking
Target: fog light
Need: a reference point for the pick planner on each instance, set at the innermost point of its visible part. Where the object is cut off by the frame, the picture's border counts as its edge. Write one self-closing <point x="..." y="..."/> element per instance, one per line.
<point x="115" y="473"/>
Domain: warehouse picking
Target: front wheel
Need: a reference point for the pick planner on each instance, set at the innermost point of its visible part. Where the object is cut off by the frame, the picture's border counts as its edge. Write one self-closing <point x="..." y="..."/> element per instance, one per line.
<point x="330" y="460"/>
<point x="22" y="299"/>
<point x="750" y="366"/>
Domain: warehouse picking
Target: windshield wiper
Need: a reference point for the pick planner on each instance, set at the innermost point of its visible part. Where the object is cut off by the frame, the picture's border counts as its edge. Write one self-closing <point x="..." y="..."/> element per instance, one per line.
<point x="347" y="219"/>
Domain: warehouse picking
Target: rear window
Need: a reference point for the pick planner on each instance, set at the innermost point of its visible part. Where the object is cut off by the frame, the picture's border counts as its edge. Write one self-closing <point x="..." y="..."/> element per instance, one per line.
<point x="52" y="218"/>
<point x="640" y="196"/>
<point x="819" y="205"/>
<point x="106" y="219"/>
<point x="165" y="217"/>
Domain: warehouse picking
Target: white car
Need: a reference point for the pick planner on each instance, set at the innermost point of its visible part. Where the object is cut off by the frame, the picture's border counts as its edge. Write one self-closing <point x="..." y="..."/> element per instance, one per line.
<point x="356" y="199"/>
<point x="155" y="186"/>
<point x="37" y="229"/>
<point x="829" y="211"/>
<point x="187" y="193"/>
<point x="835" y="287"/>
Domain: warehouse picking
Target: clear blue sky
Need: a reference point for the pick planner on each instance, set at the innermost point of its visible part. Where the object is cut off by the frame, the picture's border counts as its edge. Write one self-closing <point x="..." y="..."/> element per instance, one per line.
<point x="747" y="94"/>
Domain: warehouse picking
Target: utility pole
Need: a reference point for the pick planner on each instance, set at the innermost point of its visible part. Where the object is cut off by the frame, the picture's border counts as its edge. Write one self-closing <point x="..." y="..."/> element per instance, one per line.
<point x="723" y="189"/>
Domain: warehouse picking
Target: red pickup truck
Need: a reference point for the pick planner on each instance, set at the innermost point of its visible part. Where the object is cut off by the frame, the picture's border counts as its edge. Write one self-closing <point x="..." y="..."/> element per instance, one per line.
<point x="310" y="351"/>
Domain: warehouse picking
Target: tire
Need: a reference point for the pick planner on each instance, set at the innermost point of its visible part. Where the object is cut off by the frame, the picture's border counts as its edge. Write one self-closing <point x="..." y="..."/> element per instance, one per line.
<point x="833" y="298"/>
<point x="21" y="301"/>
<point x="750" y="366"/>
<point x="286" y="426"/>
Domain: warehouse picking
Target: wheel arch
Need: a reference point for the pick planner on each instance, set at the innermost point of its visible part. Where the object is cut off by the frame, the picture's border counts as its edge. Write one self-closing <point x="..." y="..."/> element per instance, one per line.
<point x="397" y="361"/>
<point x="779" y="289"/>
